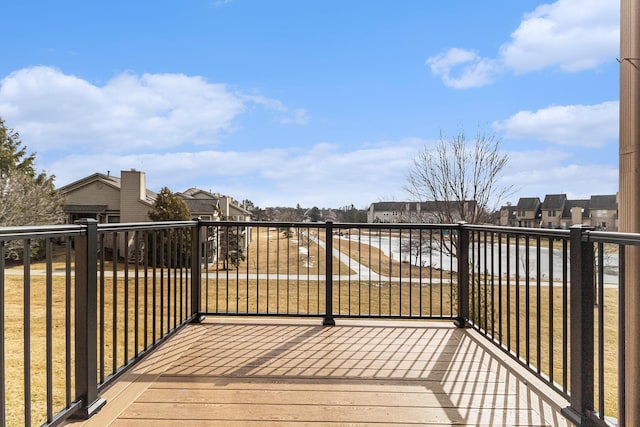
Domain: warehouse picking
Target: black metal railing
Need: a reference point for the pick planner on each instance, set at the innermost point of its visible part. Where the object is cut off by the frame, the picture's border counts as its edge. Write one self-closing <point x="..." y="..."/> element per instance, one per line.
<point x="329" y="270"/>
<point x="79" y="304"/>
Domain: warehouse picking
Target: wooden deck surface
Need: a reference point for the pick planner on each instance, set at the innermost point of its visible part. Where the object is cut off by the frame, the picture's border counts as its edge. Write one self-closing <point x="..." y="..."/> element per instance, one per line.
<point x="274" y="372"/>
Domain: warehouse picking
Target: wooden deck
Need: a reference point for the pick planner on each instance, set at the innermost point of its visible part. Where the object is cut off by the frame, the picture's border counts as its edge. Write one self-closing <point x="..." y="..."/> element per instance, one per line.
<point x="274" y="372"/>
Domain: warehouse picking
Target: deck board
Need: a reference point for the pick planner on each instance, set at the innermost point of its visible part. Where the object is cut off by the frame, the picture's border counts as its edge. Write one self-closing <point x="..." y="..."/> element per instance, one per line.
<point x="247" y="372"/>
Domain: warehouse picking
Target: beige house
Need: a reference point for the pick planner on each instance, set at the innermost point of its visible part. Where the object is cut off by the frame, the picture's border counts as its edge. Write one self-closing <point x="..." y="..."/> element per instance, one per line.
<point x="552" y="210"/>
<point x="604" y="212"/>
<point x="205" y="205"/>
<point x="215" y="207"/>
<point x="507" y="216"/>
<point x="528" y="212"/>
<point x="109" y="199"/>
<point x="556" y="211"/>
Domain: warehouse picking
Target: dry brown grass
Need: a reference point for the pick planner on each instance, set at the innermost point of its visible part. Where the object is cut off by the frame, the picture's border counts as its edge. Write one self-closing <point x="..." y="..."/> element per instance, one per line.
<point x="15" y="325"/>
<point x="307" y="297"/>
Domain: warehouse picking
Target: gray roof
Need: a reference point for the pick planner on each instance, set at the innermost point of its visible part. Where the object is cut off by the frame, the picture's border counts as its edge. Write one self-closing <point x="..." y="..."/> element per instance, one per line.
<point x="554" y="201"/>
<point x="111" y="180"/>
<point x="604" y="202"/>
<point x="200" y="205"/>
<point x="528" y="203"/>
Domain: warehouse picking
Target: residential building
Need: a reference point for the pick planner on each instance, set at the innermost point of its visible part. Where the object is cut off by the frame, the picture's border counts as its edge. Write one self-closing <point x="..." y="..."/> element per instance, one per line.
<point x="215" y="207"/>
<point x="109" y="199"/>
<point x="575" y="212"/>
<point x="528" y="212"/>
<point x="604" y="212"/>
<point x="202" y="204"/>
<point x="557" y="211"/>
<point x="552" y="209"/>
<point x="430" y="212"/>
<point x="507" y="216"/>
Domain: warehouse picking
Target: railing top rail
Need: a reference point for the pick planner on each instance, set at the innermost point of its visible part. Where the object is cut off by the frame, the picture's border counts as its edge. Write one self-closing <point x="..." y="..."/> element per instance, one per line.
<point x="322" y="224"/>
<point x="396" y="226"/>
<point x="133" y="226"/>
<point x="39" y="231"/>
<point x="613" y="237"/>
<point x="520" y="231"/>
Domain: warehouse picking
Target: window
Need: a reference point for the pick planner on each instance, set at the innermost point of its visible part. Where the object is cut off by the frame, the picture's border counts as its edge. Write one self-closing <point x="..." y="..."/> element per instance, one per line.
<point x="113" y="219"/>
<point x="552" y="212"/>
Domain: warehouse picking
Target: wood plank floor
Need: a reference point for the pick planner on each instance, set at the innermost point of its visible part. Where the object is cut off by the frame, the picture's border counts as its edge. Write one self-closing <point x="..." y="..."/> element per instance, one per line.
<point x="273" y="372"/>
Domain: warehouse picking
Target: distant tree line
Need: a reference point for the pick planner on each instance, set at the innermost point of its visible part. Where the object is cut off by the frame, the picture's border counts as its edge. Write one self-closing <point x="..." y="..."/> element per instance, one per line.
<point x="347" y="214"/>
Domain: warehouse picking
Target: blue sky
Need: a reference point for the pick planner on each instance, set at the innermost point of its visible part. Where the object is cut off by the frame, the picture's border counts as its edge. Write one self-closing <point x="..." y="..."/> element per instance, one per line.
<point x="317" y="103"/>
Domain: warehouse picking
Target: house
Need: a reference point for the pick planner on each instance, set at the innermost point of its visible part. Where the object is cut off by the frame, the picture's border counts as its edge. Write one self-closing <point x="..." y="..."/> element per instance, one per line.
<point x="202" y="204"/>
<point x="216" y="207"/>
<point x="552" y="209"/>
<point x="507" y="216"/>
<point x="556" y="211"/>
<point x="126" y="199"/>
<point x="576" y="212"/>
<point x="528" y="212"/>
<point x="206" y="205"/>
<point x="604" y="212"/>
<point x="109" y="199"/>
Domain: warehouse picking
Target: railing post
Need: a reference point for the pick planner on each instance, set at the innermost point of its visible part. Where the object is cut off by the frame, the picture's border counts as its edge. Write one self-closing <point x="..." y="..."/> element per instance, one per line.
<point x="328" y="316"/>
<point x="86" y="325"/>
<point x="462" y="254"/>
<point x="581" y="303"/>
<point x="198" y="237"/>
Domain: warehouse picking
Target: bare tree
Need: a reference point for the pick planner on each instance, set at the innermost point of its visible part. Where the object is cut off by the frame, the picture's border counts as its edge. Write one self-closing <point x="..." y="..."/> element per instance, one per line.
<point x="461" y="178"/>
<point x="25" y="201"/>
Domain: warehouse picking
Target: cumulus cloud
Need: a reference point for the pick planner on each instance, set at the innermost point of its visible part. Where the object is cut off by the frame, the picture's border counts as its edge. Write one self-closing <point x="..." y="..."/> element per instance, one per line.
<point x="572" y="35"/>
<point x="130" y="112"/>
<point x="461" y="68"/>
<point x="577" y="125"/>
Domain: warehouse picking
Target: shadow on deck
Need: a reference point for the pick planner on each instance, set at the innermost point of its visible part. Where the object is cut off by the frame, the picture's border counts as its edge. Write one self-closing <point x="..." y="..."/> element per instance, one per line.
<point x="267" y="372"/>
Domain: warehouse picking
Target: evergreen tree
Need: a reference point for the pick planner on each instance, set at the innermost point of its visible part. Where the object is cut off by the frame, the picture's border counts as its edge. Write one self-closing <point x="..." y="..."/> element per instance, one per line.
<point x="169" y="207"/>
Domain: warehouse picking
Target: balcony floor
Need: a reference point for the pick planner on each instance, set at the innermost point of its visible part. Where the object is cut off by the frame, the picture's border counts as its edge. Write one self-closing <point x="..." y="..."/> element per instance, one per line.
<point x="268" y="372"/>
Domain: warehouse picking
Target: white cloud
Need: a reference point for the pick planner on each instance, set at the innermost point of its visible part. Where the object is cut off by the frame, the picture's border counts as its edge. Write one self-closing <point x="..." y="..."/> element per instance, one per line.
<point x="572" y="35"/>
<point x="577" y="125"/>
<point x="577" y="181"/>
<point x="461" y="69"/>
<point x="56" y="111"/>
<point x="283" y="115"/>
<point x="322" y="175"/>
